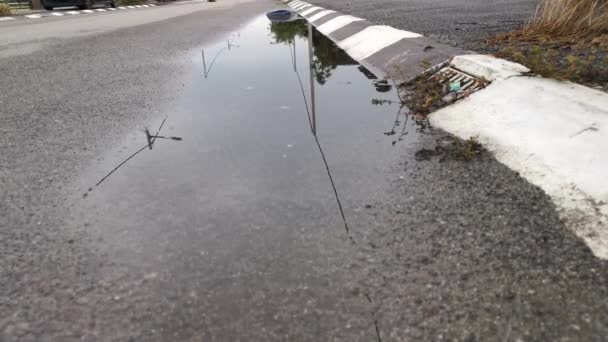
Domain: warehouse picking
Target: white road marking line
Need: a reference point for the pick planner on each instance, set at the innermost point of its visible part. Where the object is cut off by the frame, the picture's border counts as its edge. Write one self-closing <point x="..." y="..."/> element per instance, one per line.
<point x="72" y="12"/>
<point x="111" y="9"/>
<point x="130" y="6"/>
<point x="310" y="10"/>
<point x="337" y="23"/>
<point x="320" y="15"/>
<point x="373" y="39"/>
<point x="301" y="6"/>
<point x="100" y="10"/>
<point x="296" y="3"/>
<point x="137" y="6"/>
<point x="145" y="6"/>
<point x="57" y="14"/>
<point x="33" y="16"/>
<point x="122" y="8"/>
<point x="7" y="18"/>
<point x="87" y="11"/>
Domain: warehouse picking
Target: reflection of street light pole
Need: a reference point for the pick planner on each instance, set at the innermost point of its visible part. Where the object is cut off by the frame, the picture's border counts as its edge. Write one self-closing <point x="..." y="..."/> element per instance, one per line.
<point x="227" y="47"/>
<point x="204" y="63"/>
<point x="312" y="82"/>
<point x="310" y="113"/>
<point x="295" y="68"/>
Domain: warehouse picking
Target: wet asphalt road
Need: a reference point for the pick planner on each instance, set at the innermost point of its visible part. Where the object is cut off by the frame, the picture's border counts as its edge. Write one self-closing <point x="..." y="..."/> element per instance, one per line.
<point x="463" y="23"/>
<point x="234" y="233"/>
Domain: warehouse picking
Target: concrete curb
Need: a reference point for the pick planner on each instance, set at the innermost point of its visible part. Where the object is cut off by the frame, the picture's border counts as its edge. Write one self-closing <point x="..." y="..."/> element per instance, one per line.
<point x="553" y="133"/>
<point x="384" y="50"/>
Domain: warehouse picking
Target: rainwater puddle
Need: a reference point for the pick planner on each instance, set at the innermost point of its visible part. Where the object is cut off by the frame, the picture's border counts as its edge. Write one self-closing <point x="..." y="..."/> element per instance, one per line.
<point x="254" y="186"/>
<point x="257" y="125"/>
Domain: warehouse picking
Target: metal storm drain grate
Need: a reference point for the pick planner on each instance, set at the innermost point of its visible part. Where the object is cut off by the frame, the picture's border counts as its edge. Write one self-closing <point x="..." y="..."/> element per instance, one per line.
<point x="458" y="81"/>
<point x="438" y="87"/>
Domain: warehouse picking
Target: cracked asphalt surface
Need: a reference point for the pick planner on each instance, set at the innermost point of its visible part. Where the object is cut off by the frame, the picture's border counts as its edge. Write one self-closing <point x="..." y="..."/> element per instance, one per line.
<point x="462" y="23"/>
<point x="234" y="233"/>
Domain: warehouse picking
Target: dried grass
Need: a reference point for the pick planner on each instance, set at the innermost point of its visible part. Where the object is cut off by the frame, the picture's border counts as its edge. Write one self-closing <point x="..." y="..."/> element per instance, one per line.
<point x="568" y="19"/>
<point x="4" y="9"/>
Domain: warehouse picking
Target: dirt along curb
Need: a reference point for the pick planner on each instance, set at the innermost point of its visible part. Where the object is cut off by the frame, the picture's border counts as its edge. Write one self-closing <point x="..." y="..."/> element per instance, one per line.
<point x="552" y="132"/>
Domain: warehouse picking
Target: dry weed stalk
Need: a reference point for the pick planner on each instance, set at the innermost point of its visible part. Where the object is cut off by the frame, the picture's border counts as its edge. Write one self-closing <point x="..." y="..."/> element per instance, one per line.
<point x="568" y="19"/>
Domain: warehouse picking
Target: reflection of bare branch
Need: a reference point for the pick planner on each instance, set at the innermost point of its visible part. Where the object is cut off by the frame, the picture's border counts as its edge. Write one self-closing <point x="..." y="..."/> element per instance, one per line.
<point x="421" y="122"/>
<point x="121" y="164"/>
<point x="403" y="131"/>
<point x="396" y="123"/>
<point x="151" y="140"/>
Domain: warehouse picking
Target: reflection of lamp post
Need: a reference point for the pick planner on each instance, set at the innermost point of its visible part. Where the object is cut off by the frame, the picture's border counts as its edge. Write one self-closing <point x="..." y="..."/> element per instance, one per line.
<point x="204" y="63"/>
<point x="312" y="82"/>
<point x="227" y="47"/>
<point x="310" y="113"/>
<point x="152" y="138"/>
<point x="295" y="67"/>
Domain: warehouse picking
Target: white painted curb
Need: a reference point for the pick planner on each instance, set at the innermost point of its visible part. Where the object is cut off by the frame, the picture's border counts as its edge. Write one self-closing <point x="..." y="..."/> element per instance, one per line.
<point x="553" y="133"/>
<point x="337" y="23"/>
<point x="320" y="15"/>
<point x="360" y="45"/>
<point x="489" y="67"/>
<point x="373" y="39"/>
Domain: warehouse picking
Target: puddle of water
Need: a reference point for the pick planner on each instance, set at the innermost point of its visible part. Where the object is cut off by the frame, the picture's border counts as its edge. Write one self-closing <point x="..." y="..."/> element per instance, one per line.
<point x="256" y="125"/>
<point x="252" y="174"/>
<point x="259" y="124"/>
<point x="254" y="109"/>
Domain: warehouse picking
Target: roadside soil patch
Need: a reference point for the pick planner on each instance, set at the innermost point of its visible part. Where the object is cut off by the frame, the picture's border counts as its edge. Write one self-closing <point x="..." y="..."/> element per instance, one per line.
<point x="583" y="61"/>
<point x="566" y="39"/>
